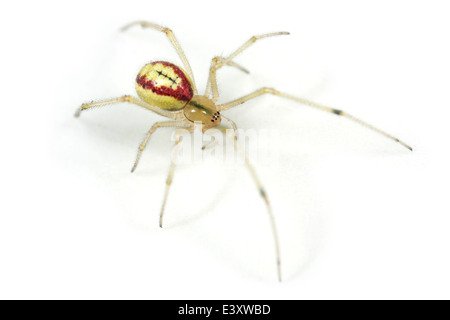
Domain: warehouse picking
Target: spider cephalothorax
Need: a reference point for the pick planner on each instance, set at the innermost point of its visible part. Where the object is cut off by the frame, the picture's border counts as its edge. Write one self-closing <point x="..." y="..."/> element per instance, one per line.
<point x="169" y="91"/>
<point x="202" y="109"/>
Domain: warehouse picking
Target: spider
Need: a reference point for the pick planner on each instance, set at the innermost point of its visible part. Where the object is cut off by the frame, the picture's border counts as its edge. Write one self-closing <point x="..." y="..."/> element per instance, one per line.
<point x="170" y="91"/>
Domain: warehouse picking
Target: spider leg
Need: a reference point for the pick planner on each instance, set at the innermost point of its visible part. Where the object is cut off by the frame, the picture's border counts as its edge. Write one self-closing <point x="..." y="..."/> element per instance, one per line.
<point x="262" y="192"/>
<point x="210" y="144"/>
<point x="212" y="82"/>
<point x="133" y="100"/>
<point x="173" y="40"/>
<point x="262" y="91"/>
<point x="155" y="126"/>
<point x="231" y="64"/>
<point x="215" y="61"/>
<point x="171" y="172"/>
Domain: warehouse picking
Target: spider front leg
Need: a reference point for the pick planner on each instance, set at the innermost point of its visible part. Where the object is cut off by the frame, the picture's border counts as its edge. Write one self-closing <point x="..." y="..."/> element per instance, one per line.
<point x="261" y="190"/>
<point x="173" y="40"/>
<point x="157" y="125"/>
<point x="212" y="80"/>
<point x="262" y="91"/>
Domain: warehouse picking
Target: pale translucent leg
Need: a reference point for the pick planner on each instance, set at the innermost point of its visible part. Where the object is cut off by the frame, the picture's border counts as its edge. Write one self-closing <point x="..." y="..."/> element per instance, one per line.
<point x="171" y="172"/>
<point x="157" y="125"/>
<point x="173" y="40"/>
<point x="216" y="66"/>
<point x="130" y="99"/>
<point x="230" y="63"/>
<point x="215" y="61"/>
<point x="210" y="144"/>
<point x="263" y="194"/>
<point x="262" y="91"/>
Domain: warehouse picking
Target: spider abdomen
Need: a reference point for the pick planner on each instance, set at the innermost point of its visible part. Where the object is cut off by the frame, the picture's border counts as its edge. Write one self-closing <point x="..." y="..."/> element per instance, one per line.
<point x="164" y="85"/>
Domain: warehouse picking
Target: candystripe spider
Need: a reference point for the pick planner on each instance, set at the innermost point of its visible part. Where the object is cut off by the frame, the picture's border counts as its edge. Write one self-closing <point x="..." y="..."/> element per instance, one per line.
<point x="171" y="92"/>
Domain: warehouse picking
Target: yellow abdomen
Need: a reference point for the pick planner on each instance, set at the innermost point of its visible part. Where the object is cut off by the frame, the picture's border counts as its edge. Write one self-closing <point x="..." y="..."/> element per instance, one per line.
<point x="164" y="85"/>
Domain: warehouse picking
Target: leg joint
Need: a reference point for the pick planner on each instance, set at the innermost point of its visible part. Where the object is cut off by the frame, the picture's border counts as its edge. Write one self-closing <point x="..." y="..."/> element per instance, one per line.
<point x="270" y="90"/>
<point x="126" y="98"/>
<point x="167" y="31"/>
<point x="263" y="193"/>
<point x="218" y="62"/>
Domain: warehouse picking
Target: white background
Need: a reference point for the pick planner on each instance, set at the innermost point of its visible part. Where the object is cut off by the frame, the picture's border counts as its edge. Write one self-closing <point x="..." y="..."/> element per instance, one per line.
<point x="359" y="216"/>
